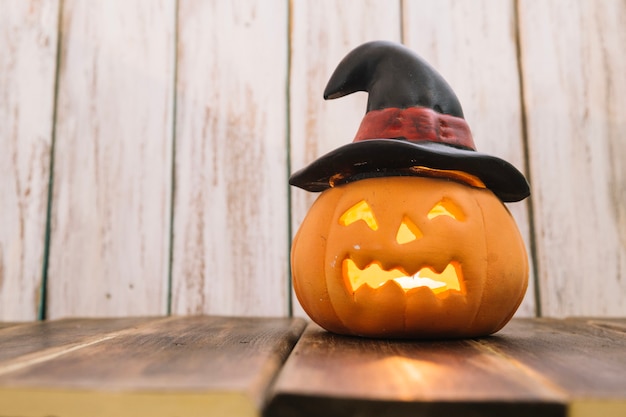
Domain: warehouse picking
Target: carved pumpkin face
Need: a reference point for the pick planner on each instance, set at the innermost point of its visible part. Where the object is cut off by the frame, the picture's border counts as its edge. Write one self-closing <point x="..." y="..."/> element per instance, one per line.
<point x="410" y="257"/>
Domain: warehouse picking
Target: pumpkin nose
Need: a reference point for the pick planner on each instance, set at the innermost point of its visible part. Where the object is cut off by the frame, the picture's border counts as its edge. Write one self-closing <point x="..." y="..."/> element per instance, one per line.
<point x="408" y="232"/>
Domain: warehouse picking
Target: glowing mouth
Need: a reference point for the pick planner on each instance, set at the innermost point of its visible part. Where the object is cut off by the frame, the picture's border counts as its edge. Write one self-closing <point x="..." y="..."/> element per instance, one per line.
<point x="375" y="276"/>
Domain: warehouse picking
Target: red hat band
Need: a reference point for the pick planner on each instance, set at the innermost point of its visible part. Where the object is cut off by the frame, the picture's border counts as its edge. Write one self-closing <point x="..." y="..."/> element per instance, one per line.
<point x="416" y="124"/>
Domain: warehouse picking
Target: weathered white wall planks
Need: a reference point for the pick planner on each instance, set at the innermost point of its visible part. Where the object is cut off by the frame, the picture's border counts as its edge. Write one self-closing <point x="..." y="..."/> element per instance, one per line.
<point x="177" y="123"/>
<point x="112" y="164"/>
<point x="230" y="217"/>
<point x="575" y="99"/>
<point x="28" y="46"/>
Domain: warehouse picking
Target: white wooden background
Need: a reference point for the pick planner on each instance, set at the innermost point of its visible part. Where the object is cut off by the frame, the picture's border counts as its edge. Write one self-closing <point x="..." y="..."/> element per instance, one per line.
<point x="145" y="145"/>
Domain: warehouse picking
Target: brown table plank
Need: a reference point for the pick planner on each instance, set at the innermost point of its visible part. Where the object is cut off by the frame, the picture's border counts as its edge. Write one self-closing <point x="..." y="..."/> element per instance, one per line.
<point x="182" y="366"/>
<point x="4" y="325"/>
<point x="332" y="375"/>
<point x="43" y="338"/>
<point x="585" y="357"/>
<point x="618" y="324"/>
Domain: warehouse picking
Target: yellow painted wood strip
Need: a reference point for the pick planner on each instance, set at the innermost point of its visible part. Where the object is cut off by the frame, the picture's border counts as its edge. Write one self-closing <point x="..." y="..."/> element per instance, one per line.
<point x="595" y="408"/>
<point x="64" y="403"/>
<point x="179" y="366"/>
<point x="28" y="41"/>
<point x="333" y="375"/>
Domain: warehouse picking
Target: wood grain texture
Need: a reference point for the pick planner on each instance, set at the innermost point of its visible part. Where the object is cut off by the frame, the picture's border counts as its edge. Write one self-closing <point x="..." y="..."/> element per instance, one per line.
<point x="113" y="156"/>
<point x="4" y="325"/>
<point x="230" y="248"/>
<point x="30" y="341"/>
<point x="322" y="33"/>
<point x="575" y="94"/>
<point x="583" y="359"/>
<point x="28" y="41"/>
<point x="192" y="366"/>
<point x="334" y="375"/>
<point x="219" y="366"/>
<point x="609" y="323"/>
<point x="473" y="45"/>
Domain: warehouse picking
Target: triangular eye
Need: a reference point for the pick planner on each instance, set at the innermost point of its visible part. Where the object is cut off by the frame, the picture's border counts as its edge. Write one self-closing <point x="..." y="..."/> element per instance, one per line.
<point x="408" y="232"/>
<point x="359" y="211"/>
<point x="446" y="208"/>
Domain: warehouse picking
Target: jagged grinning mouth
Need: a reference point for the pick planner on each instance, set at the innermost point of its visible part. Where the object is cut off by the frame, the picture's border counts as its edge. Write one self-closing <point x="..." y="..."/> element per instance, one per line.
<point x="375" y="276"/>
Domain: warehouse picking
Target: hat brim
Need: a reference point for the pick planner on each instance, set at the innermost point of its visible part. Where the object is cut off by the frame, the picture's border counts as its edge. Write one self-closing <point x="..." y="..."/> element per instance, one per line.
<point x="379" y="157"/>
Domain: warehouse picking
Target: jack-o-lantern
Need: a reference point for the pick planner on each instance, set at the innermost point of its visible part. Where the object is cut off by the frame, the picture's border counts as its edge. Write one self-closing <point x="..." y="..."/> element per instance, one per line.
<point x="410" y="237"/>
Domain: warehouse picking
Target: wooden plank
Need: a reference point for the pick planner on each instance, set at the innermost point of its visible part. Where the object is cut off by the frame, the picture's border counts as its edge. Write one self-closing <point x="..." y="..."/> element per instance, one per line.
<point x="28" y="41"/>
<point x="30" y="341"/>
<point x="188" y="366"/>
<point x="230" y="249"/>
<point x="618" y="324"/>
<point x="333" y="375"/>
<point x="587" y="362"/>
<point x="110" y="232"/>
<point x="322" y="33"/>
<point x="583" y="359"/>
<point x="573" y="62"/>
<point x="473" y="45"/>
<point x="4" y="325"/>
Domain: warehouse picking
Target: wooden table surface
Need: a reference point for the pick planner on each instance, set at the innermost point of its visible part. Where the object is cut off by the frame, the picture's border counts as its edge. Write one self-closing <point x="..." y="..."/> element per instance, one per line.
<point x="227" y="366"/>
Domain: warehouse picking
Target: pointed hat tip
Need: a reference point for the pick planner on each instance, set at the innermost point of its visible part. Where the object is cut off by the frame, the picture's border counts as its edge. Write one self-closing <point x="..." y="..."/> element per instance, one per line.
<point x="393" y="76"/>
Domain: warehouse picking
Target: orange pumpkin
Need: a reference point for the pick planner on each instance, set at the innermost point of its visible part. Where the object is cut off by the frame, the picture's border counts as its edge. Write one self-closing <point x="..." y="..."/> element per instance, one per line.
<point x="410" y="237"/>
<point x="409" y="257"/>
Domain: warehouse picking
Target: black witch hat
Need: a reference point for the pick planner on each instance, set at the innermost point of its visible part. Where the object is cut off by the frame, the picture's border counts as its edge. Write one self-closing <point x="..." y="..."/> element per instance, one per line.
<point x="413" y="120"/>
